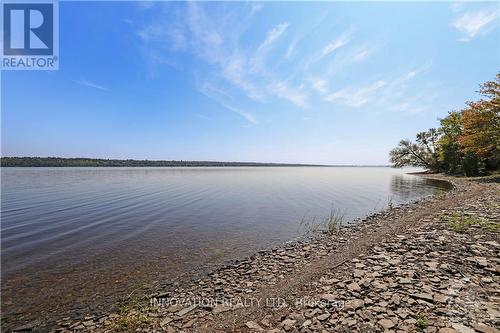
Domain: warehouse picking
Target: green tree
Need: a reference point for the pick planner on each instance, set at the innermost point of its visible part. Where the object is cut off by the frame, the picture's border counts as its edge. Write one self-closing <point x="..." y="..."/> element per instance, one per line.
<point x="450" y="151"/>
<point x="422" y="153"/>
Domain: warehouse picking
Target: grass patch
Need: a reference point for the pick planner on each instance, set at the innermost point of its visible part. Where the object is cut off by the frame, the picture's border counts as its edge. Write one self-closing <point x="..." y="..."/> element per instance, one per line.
<point x="390" y="203"/>
<point x="491" y="226"/>
<point x="334" y="221"/>
<point x="461" y="222"/>
<point x="421" y="321"/>
<point x="329" y="224"/>
<point x="494" y="206"/>
<point x="129" y="320"/>
<point x="440" y="194"/>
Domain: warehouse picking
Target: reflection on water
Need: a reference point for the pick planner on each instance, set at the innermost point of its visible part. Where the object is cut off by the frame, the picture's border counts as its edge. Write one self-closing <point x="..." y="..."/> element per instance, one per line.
<point x="98" y="232"/>
<point x="405" y="188"/>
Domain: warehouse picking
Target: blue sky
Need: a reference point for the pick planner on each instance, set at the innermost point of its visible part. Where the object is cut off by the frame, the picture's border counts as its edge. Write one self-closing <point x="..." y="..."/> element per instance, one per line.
<point x="324" y="82"/>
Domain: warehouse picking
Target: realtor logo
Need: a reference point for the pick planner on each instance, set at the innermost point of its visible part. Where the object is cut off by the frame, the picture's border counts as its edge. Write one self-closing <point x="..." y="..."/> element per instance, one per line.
<point x="30" y="35"/>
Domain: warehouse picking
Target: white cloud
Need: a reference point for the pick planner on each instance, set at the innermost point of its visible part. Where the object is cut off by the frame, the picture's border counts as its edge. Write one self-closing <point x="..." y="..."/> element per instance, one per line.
<point x="291" y="47"/>
<point x="297" y="96"/>
<point x="457" y="6"/>
<point x="175" y="35"/>
<point x="255" y="7"/>
<point x="352" y="56"/>
<point x="356" y="97"/>
<point x="471" y="24"/>
<point x="90" y="84"/>
<point x="396" y="94"/>
<point x="417" y="71"/>
<point x="362" y="55"/>
<point x="217" y="39"/>
<point x="222" y="98"/>
<point x="411" y="74"/>
<point x="342" y="40"/>
<point x="273" y="34"/>
<point x="333" y="45"/>
<point x="319" y="85"/>
<point x="235" y="71"/>
<point x="260" y="55"/>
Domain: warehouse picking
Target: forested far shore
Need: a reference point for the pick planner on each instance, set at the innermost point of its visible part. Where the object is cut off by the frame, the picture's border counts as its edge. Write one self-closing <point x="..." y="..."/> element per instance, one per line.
<point x="93" y="162"/>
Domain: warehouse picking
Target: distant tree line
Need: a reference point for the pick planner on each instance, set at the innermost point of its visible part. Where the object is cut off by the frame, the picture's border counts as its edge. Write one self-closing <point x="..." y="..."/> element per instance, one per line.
<point x="466" y="143"/>
<point x="92" y="162"/>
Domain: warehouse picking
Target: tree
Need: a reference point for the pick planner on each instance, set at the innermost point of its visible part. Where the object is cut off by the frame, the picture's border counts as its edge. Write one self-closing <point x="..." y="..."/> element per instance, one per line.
<point x="450" y="152"/>
<point x="481" y="125"/>
<point x="468" y="141"/>
<point x="422" y="153"/>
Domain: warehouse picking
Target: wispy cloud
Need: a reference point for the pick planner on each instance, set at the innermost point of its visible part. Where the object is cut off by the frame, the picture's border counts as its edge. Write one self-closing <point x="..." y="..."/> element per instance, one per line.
<point x="457" y="6"/>
<point x="393" y="94"/>
<point x="319" y="85"/>
<point x="291" y="47"/>
<point x="90" y="84"/>
<point x="259" y="57"/>
<point x="253" y="69"/>
<point x="175" y="35"/>
<point x="255" y="7"/>
<point x="223" y="98"/>
<point x="474" y="23"/>
<point x="352" y="56"/>
<point x="274" y="34"/>
<point x="235" y="70"/>
<point x="342" y="40"/>
<point x="417" y="71"/>
<point x="356" y="97"/>
<point x="296" y="95"/>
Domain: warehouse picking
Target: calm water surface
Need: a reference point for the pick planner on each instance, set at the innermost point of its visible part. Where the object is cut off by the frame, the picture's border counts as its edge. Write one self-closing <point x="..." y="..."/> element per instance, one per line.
<point x="74" y="234"/>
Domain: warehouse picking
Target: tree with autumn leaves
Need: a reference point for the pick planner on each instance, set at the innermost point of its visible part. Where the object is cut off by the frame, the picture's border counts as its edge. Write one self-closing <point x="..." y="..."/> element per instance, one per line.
<point x="467" y="142"/>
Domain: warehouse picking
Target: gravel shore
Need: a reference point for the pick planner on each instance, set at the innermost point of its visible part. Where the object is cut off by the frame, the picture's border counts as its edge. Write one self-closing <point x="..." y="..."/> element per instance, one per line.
<point x="429" y="266"/>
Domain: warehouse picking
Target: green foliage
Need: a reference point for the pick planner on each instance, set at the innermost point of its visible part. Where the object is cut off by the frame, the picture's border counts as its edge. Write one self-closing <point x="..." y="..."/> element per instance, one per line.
<point x="450" y="154"/>
<point x="471" y="164"/>
<point x="467" y="143"/>
<point x="421" y="153"/>
<point x="461" y="222"/>
<point x="129" y="319"/>
<point x="492" y="226"/>
<point x="421" y="321"/>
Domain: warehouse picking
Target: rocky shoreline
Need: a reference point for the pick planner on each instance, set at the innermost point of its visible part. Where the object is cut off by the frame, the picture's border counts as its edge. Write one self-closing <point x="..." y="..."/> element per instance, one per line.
<point x="409" y="268"/>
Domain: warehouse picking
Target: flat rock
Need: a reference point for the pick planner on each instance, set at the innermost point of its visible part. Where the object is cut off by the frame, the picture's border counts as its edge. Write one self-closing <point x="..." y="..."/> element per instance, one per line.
<point x="185" y="311"/>
<point x="447" y="330"/>
<point x="482" y="328"/>
<point x="221" y="308"/>
<point x="323" y="317"/>
<point x="423" y="296"/>
<point x="353" y="287"/>
<point x="328" y="297"/>
<point x="462" y="328"/>
<point x="253" y="326"/>
<point x="386" y="323"/>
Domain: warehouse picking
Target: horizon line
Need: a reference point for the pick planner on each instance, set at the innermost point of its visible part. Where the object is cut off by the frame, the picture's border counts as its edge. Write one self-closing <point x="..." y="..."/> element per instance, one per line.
<point x="197" y="161"/>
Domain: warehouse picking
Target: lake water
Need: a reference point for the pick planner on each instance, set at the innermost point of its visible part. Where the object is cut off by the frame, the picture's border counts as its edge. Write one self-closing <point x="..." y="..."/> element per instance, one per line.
<point x="70" y="235"/>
